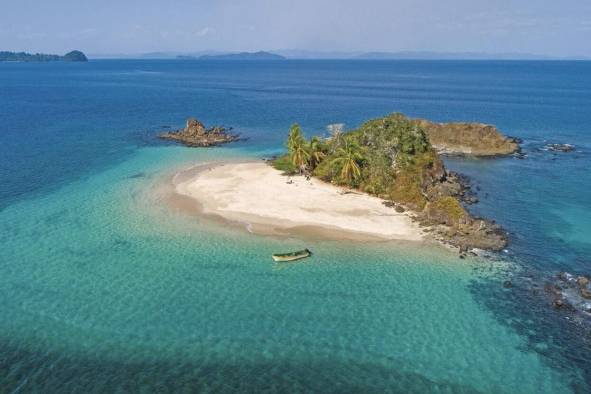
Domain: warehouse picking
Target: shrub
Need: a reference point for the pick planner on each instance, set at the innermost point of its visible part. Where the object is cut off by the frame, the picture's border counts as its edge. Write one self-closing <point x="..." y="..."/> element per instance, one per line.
<point x="284" y="164"/>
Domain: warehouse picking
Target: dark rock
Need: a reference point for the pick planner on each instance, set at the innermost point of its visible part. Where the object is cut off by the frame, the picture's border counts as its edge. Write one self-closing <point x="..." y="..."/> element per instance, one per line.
<point x="570" y="292"/>
<point x="559" y="303"/>
<point x="560" y="147"/>
<point x="585" y="293"/>
<point x="196" y="135"/>
<point x="479" y="234"/>
<point x="564" y="276"/>
<point x="519" y="155"/>
<point x="582" y="281"/>
<point x="470" y="200"/>
<point x="399" y="208"/>
<point x="551" y="288"/>
<point x="507" y="284"/>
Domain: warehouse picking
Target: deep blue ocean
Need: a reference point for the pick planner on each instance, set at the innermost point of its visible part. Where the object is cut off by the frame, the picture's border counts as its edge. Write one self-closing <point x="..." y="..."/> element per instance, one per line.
<point x="103" y="289"/>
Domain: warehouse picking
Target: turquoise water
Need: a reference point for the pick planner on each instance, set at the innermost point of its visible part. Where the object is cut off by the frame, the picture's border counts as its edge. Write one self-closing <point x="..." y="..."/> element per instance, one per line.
<point x="106" y="288"/>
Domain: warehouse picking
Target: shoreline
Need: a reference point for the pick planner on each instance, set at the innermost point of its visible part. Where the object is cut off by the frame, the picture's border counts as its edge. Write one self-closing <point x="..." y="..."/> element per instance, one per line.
<point x="258" y="198"/>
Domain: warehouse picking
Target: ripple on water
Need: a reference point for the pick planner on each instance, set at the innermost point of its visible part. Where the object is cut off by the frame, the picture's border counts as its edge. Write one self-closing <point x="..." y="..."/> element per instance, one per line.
<point x="100" y="292"/>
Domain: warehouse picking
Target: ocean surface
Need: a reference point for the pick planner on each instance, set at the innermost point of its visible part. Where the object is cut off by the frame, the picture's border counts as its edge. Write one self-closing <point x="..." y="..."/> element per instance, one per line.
<point x="105" y="288"/>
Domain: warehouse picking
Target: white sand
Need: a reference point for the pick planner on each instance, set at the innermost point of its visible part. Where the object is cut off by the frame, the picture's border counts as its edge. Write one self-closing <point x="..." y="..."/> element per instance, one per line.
<point x="259" y="196"/>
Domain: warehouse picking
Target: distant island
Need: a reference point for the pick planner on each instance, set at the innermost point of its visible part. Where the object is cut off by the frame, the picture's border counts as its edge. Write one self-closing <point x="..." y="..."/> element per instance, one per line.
<point x="342" y="55"/>
<point x="425" y="55"/>
<point x="73" y="56"/>
<point x="261" y="55"/>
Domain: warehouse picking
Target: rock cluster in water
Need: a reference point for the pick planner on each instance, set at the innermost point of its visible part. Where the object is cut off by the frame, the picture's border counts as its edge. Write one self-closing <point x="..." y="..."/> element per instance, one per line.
<point x="560" y="147"/>
<point x="570" y="292"/>
<point x="196" y="135"/>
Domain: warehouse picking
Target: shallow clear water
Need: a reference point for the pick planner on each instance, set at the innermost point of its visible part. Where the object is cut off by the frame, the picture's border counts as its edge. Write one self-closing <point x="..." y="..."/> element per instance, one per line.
<point x="105" y="288"/>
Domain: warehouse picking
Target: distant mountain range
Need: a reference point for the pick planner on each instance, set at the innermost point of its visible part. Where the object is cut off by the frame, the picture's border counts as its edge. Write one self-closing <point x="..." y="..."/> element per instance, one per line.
<point x="261" y="55"/>
<point x="74" y="56"/>
<point x="201" y="55"/>
<point x="417" y="55"/>
<point x="308" y="54"/>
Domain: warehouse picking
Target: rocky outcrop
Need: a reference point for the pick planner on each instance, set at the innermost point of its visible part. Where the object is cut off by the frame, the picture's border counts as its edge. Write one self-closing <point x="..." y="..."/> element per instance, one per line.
<point x="196" y="135"/>
<point x="559" y="147"/>
<point x="471" y="139"/>
<point x="570" y="292"/>
<point x="453" y="224"/>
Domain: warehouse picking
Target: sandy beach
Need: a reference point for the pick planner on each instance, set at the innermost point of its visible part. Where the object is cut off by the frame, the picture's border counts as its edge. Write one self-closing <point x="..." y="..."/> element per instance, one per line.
<point x="266" y="201"/>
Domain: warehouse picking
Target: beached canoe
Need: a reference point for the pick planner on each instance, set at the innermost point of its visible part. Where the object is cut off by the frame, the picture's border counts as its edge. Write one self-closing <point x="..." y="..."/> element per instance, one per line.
<point x="300" y="254"/>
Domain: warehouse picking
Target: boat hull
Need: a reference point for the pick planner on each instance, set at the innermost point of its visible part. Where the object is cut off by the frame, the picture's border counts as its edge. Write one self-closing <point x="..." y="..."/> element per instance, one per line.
<point x="292" y="256"/>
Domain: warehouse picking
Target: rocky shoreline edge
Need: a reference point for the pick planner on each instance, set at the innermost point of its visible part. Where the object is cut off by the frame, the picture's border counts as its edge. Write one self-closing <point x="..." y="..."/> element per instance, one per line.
<point x="470" y="232"/>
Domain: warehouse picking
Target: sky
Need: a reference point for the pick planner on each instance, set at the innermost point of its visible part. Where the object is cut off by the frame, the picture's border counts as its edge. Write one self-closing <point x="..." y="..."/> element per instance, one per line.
<point x="545" y="27"/>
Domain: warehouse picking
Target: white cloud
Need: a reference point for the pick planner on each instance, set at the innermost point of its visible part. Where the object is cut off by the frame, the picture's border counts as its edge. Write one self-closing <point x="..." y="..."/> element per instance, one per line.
<point x="203" y="32"/>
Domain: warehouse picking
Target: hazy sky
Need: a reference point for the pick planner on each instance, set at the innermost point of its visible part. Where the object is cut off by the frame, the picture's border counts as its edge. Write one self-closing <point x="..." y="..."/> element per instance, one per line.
<point x="550" y="27"/>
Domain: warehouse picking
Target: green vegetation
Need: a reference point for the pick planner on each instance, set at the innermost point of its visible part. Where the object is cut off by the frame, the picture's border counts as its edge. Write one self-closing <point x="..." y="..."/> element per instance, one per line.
<point x="389" y="157"/>
<point x="298" y="149"/>
<point x="392" y="158"/>
<point x="317" y="151"/>
<point x="74" y="56"/>
<point x="283" y="164"/>
<point x="448" y="210"/>
<point x="347" y="160"/>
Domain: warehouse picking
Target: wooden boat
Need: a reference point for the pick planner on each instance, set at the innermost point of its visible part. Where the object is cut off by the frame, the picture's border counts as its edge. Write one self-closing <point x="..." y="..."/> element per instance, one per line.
<point x="284" y="257"/>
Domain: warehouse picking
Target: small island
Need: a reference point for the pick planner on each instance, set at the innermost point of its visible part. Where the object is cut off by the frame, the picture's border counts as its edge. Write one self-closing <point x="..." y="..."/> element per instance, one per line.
<point x="384" y="180"/>
<point x="468" y="139"/>
<point x="261" y="55"/>
<point x="73" y="56"/>
<point x="196" y="135"/>
<point x="393" y="158"/>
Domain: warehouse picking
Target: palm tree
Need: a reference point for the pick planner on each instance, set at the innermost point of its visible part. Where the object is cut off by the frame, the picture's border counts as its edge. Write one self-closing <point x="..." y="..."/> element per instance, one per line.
<point x="336" y="136"/>
<point x="294" y="136"/>
<point x="296" y="145"/>
<point x="317" y="152"/>
<point x="348" y="158"/>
